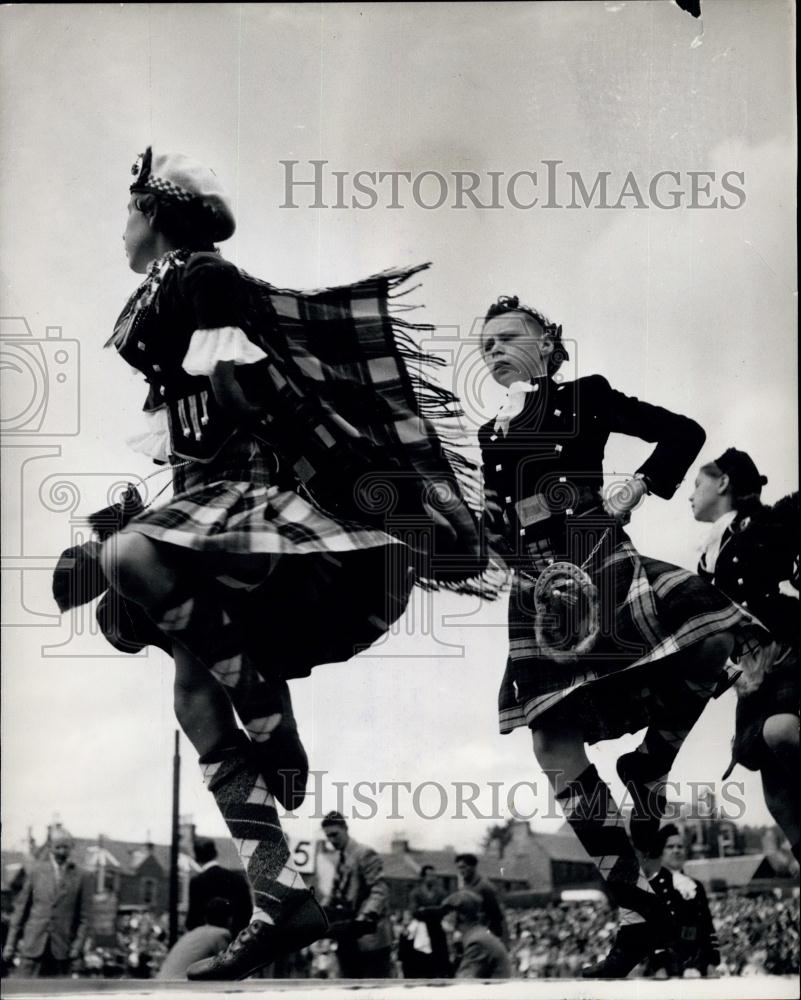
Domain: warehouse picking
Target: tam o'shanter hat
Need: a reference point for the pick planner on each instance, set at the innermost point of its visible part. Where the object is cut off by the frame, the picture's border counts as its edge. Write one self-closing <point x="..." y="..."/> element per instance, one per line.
<point x="741" y="470"/>
<point x="182" y="180"/>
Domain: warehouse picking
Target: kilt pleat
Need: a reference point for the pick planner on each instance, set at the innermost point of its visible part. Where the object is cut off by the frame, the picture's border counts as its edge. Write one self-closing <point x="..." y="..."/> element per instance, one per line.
<point x="304" y="586"/>
<point x="651" y="613"/>
<point x="779" y="693"/>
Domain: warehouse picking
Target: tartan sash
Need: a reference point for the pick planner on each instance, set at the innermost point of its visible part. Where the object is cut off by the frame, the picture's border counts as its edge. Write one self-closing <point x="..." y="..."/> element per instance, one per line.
<point x="351" y="408"/>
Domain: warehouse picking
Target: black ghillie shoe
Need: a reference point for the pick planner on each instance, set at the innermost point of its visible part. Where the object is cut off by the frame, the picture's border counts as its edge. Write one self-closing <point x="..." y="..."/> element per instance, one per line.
<point x="667" y="960"/>
<point x="260" y="944"/>
<point x="78" y="577"/>
<point x="633" y="943"/>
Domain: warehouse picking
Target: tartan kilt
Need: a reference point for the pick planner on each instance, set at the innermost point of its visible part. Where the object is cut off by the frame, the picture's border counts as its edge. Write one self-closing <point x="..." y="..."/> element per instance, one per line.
<point x="650" y="613"/>
<point x="779" y="693"/>
<point x="305" y="587"/>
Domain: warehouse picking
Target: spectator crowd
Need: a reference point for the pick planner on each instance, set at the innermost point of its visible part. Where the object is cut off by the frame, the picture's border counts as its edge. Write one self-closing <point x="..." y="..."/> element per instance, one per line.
<point x="758" y="935"/>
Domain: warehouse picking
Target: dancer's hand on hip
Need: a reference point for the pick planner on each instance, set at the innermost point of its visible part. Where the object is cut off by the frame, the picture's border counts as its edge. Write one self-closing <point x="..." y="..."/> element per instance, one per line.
<point x="622" y="499"/>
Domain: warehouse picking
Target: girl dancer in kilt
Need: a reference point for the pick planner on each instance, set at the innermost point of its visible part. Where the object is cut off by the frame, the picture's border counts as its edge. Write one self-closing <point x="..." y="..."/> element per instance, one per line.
<point x="753" y="549"/>
<point x="311" y="493"/>
<point x="602" y="640"/>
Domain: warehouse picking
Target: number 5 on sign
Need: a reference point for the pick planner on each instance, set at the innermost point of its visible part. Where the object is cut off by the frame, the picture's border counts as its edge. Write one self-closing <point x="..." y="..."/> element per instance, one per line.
<point x="301" y="855"/>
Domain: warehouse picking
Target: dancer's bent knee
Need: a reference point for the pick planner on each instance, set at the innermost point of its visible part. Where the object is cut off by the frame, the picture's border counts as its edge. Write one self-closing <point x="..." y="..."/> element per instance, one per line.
<point x="560" y="753"/>
<point x="137" y="569"/>
<point x="781" y="732"/>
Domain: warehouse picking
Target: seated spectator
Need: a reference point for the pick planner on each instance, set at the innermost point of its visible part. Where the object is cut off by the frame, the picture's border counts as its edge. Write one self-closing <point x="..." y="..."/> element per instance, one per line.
<point x="484" y="956"/>
<point x="215" y="882"/>
<point x="209" y="939"/>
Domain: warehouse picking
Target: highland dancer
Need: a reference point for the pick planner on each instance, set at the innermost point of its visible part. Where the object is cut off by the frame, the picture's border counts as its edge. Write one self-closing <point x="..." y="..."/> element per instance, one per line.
<point x="751" y="551"/>
<point x="311" y="492"/>
<point x="602" y="640"/>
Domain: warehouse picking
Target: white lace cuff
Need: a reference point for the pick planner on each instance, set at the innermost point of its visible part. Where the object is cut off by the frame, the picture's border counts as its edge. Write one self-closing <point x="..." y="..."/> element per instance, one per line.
<point x="208" y="348"/>
<point x="153" y="439"/>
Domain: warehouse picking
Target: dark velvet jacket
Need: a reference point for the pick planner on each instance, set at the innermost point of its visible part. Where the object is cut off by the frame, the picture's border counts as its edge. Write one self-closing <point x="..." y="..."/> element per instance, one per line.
<point x="549" y="466"/>
<point x="758" y="552"/>
<point x="203" y="293"/>
<point x="696" y="942"/>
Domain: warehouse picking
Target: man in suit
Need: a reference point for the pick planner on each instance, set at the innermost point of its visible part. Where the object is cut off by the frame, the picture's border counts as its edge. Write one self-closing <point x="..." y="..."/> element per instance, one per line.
<point x="484" y="956"/>
<point x="467" y="866"/>
<point x="215" y="882"/>
<point x="357" y="907"/>
<point x="51" y="914"/>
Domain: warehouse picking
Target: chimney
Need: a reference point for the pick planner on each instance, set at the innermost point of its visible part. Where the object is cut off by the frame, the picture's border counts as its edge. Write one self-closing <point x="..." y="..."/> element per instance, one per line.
<point x="521" y="833"/>
<point x="493" y="849"/>
<point x="399" y="845"/>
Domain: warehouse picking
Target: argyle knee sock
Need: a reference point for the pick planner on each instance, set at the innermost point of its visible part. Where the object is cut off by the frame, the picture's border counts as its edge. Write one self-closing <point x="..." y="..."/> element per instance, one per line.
<point x="202" y="626"/>
<point x="205" y="630"/>
<point x="277" y="748"/>
<point x="249" y="811"/>
<point x="594" y="817"/>
<point x="645" y="770"/>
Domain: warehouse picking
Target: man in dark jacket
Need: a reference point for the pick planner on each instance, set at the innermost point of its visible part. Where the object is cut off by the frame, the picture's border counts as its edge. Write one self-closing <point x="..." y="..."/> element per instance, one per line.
<point x="51" y="914"/>
<point x="215" y="882"/>
<point x="467" y="866"/>
<point x="425" y="902"/>
<point x="695" y="943"/>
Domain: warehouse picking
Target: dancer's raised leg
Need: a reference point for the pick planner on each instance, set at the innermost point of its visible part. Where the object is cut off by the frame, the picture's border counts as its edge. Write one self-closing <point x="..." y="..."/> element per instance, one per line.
<point x="676" y="708"/>
<point x="189" y="609"/>
<point x="593" y="815"/>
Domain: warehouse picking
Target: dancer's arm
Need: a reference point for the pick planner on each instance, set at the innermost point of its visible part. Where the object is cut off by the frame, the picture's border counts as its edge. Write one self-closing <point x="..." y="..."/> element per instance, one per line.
<point x="212" y="290"/>
<point x="678" y="439"/>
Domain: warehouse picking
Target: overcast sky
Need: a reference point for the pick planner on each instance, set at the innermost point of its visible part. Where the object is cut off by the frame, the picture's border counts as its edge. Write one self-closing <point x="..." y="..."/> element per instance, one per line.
<point x="690" y="308"/>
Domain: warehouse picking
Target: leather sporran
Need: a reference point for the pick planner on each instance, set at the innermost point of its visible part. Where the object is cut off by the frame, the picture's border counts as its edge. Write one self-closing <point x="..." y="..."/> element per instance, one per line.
<point x="567" y="612"/>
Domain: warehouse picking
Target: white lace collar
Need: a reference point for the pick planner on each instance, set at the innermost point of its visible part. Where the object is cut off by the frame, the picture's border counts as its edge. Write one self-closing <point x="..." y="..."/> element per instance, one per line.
<point x="711" y="547"/>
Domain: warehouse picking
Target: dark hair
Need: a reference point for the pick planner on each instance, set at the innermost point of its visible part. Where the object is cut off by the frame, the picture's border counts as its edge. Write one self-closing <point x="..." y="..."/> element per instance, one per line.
<point x="187" y="225"/>
<point x="334" y="818"/>
<point x="466" y="903"/>
<point x="468" y="859"/>
<point x="218" y="912"/>
<point x="425" y="869"/>
<point x="663" y="836"/>
<point x="511" y="303"/>
<point x="745" y="480"/>
<point x="205" y="851"/>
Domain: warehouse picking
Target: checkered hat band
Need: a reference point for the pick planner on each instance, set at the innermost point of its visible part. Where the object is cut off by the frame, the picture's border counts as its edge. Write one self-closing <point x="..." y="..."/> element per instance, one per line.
<point x="165" y="188"/>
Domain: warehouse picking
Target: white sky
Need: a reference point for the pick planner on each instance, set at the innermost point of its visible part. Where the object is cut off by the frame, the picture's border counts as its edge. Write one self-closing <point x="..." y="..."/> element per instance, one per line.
<point x="691" y="309"/>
